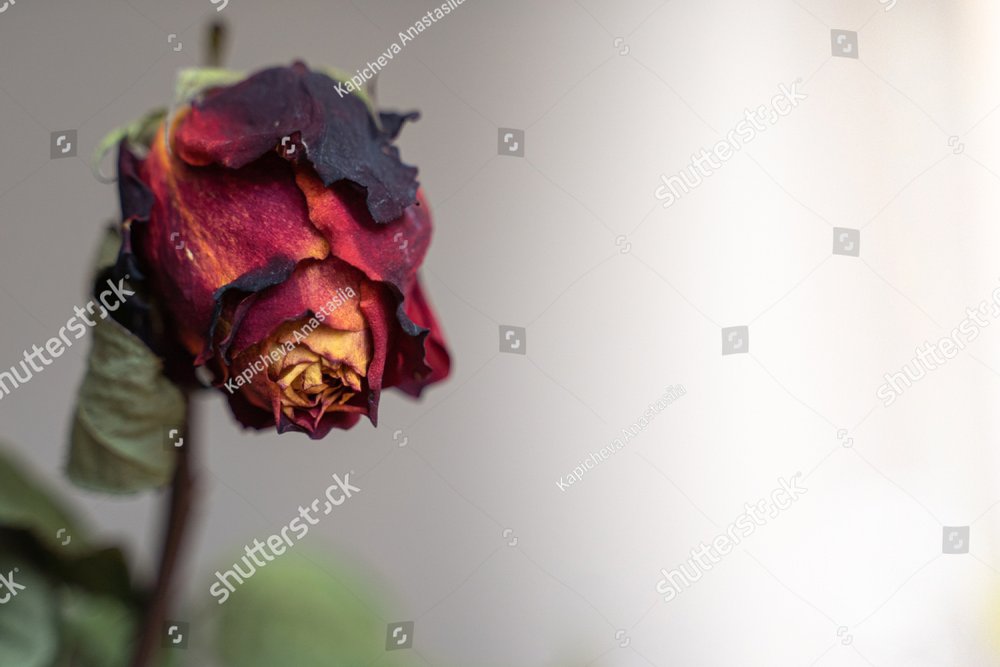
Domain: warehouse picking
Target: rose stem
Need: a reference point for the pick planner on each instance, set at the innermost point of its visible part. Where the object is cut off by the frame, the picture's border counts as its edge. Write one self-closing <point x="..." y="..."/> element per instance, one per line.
<point x="182" y="487"/>
<point x="181" y="500"/>
<point x="215" y="44"/>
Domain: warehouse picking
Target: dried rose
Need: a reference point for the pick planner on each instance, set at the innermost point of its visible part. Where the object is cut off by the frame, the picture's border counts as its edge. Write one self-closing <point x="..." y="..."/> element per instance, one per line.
<point x="274" y="222"/>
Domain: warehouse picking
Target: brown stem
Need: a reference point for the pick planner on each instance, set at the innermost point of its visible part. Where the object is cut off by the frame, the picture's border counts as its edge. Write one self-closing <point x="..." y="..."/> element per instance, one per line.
<point x="182" y="489"/>
<point x="216" y="43"/>
<point x="181" y="500"/>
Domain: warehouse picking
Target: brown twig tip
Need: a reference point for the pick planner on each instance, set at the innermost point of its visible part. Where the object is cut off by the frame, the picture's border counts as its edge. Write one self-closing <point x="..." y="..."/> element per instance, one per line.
<point x="216" y="42"/>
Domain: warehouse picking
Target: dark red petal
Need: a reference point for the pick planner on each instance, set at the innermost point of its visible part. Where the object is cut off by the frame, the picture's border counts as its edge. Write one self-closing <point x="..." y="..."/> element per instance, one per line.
<point x="136" y="198"/>
<point x="375" y="300"/>
<point x="330" y="421"/>
<point x="235" y="125"/>
<point x="232" y="303"/>
<point x="311" y="287"/>
<point x="389" y="253"/>
<point x="248" y="413"/>
<point x="392" y="123"/>
<point x="213" y="230"/>
<point x="136" y="204"/>
<point x="435" y="350"/>
<point x="399" y="344"/>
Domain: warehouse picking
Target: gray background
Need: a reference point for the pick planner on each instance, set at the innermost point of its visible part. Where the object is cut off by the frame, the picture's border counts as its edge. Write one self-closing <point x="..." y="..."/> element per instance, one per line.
<point x="535" y="242"/>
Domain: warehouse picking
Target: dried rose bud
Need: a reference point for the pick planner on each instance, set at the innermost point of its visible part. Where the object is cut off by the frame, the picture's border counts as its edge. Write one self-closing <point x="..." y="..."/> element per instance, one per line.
<point x="273" y="221"/>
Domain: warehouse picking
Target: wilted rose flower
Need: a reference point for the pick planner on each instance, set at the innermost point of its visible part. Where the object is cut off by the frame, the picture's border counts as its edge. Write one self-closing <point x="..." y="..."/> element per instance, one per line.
<point x="276" y="225"/>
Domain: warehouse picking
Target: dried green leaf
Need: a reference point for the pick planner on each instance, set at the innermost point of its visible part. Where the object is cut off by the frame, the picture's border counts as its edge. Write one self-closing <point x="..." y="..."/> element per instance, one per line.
<point x="125" y="409"/>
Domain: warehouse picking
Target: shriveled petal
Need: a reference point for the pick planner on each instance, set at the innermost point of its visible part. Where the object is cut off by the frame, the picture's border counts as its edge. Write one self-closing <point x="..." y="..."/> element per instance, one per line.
<point x="435" y="350"/>
<point x="309" y="374"/>
<point x="235" y="125"/>
<point x="397" y="343"/>
<point x="345" y="347"/>
<point x="388" y="253"/>
<point x="319" y="426"/>
<point x="313" y="287"/>
<point x="213" y="229"/>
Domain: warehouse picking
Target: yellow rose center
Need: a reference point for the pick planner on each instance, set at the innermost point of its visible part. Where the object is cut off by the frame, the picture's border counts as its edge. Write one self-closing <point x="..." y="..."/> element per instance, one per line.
<point x="320" y="370"/>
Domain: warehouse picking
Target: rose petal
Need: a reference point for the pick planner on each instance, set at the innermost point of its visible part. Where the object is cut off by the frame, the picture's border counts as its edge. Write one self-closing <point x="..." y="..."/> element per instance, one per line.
<point x="136" y="198"/>
<point x="388" y="253"/>
<point x="213" y="230"/>
<point x="375" y="300"/>
<point x="311" y="287"/>
<point x="235" y="125"/>
<point x="435" y="350"/>
<point x="346" y="347"/>
<point x="317" y="429"/>
<point x="397" y="345"/>
<point x="392" y="123"/>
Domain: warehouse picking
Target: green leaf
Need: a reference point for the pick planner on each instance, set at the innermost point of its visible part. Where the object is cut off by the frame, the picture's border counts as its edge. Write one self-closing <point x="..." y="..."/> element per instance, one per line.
<point x="29" y="624"/>
<point x="103" y="572"/>
<point x="125" y="408"/>
<point x="294" y="612"/>
<point x="98" y="631"/>
<point x="77" y="602"/>
<point x="33" y="522"/>
<point x="24" y="505"/>
<point x="139" y="134"/>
